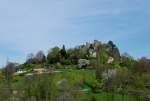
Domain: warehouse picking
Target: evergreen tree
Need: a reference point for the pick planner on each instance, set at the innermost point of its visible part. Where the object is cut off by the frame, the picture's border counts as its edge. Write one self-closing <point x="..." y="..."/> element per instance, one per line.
<point x="63" y="52"/>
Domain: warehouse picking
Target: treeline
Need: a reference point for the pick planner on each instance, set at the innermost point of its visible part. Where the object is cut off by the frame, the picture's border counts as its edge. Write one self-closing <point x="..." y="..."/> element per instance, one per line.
<point x="71" y="56"/>
<point x="99" y="54"/>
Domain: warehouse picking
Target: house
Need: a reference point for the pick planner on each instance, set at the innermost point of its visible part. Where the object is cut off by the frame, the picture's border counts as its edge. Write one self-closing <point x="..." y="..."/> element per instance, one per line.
<point x="110" y="60"/>
<point x="83" y="63"/>
<point x="19" y="71"/>
<point x="92" y="51"/>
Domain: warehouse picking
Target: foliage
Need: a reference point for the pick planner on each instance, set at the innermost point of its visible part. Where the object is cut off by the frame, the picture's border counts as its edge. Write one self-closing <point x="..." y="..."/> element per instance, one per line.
<point x="40" y="57"/>
<point x="127" y="61"/>
<point x="142" y="66"/>
<point x="39" y="88"/>
<point x="8" y="72"/>
<point x="113" y="51"/>
<point x="53" y="55"/>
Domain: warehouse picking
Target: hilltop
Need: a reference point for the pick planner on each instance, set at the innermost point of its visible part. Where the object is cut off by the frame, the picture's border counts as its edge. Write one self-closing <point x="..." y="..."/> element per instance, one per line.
<point x="90" y="72"/>
<point x="72" y="56"/>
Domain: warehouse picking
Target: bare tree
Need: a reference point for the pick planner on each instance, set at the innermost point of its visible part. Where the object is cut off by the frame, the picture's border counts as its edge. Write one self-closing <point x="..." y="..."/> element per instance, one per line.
<point x="40" y="57"/>
<point x="8" y="73"/>
<point x="30" y="58"/>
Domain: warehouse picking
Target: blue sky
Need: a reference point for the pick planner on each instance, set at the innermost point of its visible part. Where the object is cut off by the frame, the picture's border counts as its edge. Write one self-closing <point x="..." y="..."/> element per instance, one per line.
<point x="27" y="26"/>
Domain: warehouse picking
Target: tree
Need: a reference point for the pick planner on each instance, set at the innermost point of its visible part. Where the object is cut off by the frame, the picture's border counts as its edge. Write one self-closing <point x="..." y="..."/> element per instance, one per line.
<point x="30" y="56"/>
<point x="127" y="61"/>
<point x="63" y="52"/>
<point x="113" y="51"/>
<point x="82" y="52"/>
<point x="99" y="62"/>
<point x="63" y="55"/>
<point x="111" y="44"/>
<point x="123" y="79"/>
<point x="70" y="53"/>
<point x="75" y="56"/>
<point x="53" y="55"/>
<point x="30" y="59"/>
<point x="8" y="72"/>
<point x="40" y="57"/>
<point x="108" y="81"/>
<point x="142" y="66"/>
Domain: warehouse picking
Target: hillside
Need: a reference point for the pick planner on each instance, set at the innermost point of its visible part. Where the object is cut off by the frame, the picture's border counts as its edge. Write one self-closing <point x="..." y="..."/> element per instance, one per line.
<point x="90" y="72"/>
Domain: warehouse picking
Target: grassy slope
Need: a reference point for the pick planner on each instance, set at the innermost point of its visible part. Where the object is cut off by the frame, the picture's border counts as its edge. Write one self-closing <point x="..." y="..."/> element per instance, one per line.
<point x="75" y="79"/>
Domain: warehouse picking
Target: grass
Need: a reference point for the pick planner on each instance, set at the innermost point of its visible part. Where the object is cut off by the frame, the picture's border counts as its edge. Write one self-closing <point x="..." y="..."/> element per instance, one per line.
<point x="76" y="80"/>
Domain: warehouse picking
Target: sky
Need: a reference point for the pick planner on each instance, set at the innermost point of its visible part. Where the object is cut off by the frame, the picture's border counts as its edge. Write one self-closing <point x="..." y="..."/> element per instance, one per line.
<point x="27" y="26"/>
